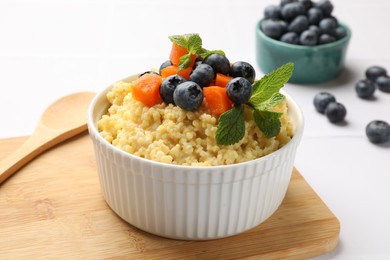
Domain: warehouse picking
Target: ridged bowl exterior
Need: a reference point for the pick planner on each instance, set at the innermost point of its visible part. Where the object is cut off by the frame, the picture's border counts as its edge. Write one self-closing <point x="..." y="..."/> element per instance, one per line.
<point x="192" y="203"/>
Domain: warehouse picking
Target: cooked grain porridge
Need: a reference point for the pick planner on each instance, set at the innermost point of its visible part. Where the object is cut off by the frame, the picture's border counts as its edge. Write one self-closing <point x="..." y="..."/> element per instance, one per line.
<point x="169" y="134"/>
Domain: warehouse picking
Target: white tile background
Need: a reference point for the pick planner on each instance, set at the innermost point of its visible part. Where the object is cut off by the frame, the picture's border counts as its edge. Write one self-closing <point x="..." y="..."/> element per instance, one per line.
<point x="52" y="48"/>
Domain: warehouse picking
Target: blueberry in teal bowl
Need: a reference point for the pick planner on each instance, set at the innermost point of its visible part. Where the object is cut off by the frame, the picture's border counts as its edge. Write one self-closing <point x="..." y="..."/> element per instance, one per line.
<point x="305" y="33"/>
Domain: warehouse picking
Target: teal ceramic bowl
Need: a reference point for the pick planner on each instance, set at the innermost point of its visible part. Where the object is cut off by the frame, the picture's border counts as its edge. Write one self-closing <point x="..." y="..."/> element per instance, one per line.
<point x="312" y="64"/>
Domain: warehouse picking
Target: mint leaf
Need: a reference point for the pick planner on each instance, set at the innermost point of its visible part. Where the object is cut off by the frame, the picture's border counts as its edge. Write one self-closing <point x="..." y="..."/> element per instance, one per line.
<point x="191" y="41"/>
<point x="270" y="84"/>
<point x="185" y="61"/>
<point x="231" y="126"/>
<point x="206" y="53"/>
<point x="270" y="103"/>
<point x="181" y="40"/>
<point x="194" y="44"/>
<point x="268" y="122"/>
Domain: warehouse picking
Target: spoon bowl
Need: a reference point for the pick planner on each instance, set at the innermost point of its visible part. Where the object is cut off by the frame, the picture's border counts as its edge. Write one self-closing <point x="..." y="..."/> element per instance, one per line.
<point x="62" y="120"/>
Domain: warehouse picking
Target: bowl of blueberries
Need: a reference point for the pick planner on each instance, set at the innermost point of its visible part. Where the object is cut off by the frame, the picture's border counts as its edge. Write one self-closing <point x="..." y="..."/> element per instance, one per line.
<point x="306" y="33"/>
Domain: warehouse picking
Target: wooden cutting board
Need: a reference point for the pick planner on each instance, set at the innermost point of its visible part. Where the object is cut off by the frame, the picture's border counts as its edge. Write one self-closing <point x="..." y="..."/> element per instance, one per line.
<point x="53" y="208"/>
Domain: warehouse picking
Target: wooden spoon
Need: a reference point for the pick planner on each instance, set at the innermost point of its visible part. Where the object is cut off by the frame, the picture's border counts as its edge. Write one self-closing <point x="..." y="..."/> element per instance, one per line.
<point x="62" y="120"/>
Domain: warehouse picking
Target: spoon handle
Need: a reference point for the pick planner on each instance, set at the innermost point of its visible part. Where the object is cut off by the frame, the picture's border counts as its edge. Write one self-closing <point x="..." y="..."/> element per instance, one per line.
<point x="40" y="141"/>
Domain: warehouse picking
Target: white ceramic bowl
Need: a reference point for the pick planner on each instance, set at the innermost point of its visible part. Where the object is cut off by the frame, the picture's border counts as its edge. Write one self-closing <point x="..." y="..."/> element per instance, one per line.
<point x="192" y="203"/>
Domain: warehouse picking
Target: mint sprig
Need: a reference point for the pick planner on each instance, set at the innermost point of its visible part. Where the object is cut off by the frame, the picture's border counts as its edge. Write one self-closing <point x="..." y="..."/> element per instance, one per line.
<point x="265" y="96"/>
<point x="270" y="84"/>
<point x="206" y="53"/>
<point x="192" y="40"/>
<point x="193" y="43"/>
<point x="231" y="126"/>
<point x="268" y="122"/>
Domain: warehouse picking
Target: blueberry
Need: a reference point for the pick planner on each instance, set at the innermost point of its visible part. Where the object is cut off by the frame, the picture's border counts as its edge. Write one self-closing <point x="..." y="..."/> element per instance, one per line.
<point x="198" y="58"/>
<point x="334" y="19"/>
<point x="292" y="10"/>
<point x="188" y="96"/>
<point x="314" y="15"/>
<point x="239" y="90"/>
<point x="299" y="24"/>
<point x="218" y="62"/>
<point x="308" y="38"/>
<point x="148" y="72"/>
<point x="340" y="33"/>
<point x="335" y="112"/>
<point x="383" y="83"/>
<point x="325" y="6"/>
<point x="306" y="3"/>
<point x="168" y="86"/>
<point x="322" y="100"/>
<point x="365" y="88"/>
<point x="373" y="72"/>
<point x="196" y="64"/>
<point x="202" y="75"/>
<point x="272" y="28"/>
<point x="378" y="131"/>
<point x="290" y="37"/>
<point x="164" y="65"/>
<point x="328" y="26"/>
<point x="198" y="61"/>
<point x="284" y="25"/>
<point x="272" y="11"/>
<point x="284" y="2"/>
<point x="326" y="38"/>
<point x="315" y="29"/>
<point x="243" y="69"/>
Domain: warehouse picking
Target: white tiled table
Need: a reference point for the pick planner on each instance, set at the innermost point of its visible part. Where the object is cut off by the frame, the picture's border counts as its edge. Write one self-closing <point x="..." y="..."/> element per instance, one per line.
<point x="52" y="48"/>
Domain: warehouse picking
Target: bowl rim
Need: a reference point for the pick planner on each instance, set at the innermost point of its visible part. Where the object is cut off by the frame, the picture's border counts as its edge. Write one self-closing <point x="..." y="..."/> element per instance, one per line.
<point x="92" y="128"/>
<point x="339" y="42"/>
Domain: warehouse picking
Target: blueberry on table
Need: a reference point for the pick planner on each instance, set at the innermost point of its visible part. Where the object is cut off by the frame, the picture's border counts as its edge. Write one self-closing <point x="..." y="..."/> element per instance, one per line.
<point x="322" y="100"/>
<point x="239" y="90"/>
<point x="328" y="25"/>
<point x="168" y="86"/>
<point x="335" y="112"/>
<point x="378" y="131"/>
<point x="273" y="28"/>
<point x="326" y="38"/>
<point x="188" y="96"/>
<point x="292" y="10"/>
<point x="290" y="37"/>
<point x="308" y="38"/>
<point x="365" y="88"/>
<point x="314" y="15"/>
<point x="299" y="24"/>
<point x="373" y="72"/>
<point x="272" y="12"/>
<point x="383" y="83"/>
<point x="218" y="62"/>
<point x="202" y="75"/>
<point x="164" y="65"/>
<point x="325" y="6"/>
<point x="243" y="69"/>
